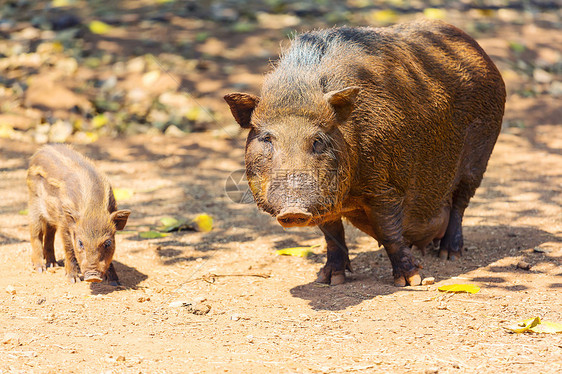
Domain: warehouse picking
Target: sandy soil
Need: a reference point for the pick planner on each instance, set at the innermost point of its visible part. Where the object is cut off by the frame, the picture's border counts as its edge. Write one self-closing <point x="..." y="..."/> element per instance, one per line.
<point x="222" y="301"/>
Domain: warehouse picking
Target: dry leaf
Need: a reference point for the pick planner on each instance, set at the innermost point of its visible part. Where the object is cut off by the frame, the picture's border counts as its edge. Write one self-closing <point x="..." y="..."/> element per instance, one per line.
<point x="99" y="27"/>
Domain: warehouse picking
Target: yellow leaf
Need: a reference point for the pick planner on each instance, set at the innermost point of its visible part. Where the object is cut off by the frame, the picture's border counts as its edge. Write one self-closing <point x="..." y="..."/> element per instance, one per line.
<point x="152" y="235"/>
<point x="6" y="131"/>
<point x="385" y="16"/>
<point x="204" y="222"/>
<point x="99" y="27"/>
<point x="548" y="327"/>
<point x="91" y="136"/>
<point x="122" y="193"/>
<point x="458" y="288"/>
<point x="434" y="13"/>
<point x="296" y="251"/>
<point x="99" y="121"/>
<point x="536" y="325"/>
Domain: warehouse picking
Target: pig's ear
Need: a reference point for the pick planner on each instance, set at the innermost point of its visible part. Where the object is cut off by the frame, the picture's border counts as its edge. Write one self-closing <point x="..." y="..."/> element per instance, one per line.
<point x="120" y="217"/>
<point x="343" y="101"/>
<point x="242" y="105"/>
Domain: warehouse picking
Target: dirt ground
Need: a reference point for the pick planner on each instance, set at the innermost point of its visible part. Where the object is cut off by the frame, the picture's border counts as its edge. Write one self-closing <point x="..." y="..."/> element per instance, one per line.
<point x="222" y="301"/>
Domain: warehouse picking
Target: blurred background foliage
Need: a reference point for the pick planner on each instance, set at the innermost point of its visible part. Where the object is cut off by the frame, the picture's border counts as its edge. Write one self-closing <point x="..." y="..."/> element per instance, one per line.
<point x="75" y="70"/>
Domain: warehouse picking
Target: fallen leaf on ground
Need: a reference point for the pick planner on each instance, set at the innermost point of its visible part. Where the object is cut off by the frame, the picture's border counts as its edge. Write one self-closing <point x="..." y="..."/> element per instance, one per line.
<point x="152" y="235"/>
<point x="170" y="224"/>
<point x="122" y="193"/>
<point x="536" y="325"/>
<point x="296" y="251"/>
<point x="458" y="288"/>
<point x="99" y="27"/>
<point x="203" y="222"/>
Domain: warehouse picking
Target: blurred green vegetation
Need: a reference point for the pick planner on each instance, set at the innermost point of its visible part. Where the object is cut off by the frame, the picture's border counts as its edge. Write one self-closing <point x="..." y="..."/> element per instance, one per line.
<point x="74" y="70"/>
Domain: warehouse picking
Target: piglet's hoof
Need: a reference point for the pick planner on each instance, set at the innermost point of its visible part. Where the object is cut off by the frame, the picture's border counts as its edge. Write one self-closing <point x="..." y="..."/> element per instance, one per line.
<point x="73" y="278"/>
<point x="331" y="276"/>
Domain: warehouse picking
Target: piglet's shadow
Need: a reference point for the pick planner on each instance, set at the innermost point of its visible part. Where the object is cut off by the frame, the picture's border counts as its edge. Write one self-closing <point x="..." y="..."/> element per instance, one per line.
<point x="128" y="276"/>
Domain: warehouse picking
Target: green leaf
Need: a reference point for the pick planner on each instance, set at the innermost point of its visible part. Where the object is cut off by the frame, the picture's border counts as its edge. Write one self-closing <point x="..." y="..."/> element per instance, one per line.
<point x="170" y="224"/>
<point x="152" y="235"/>
<point x="458" y="288"/>
<point x="99" y="121"/>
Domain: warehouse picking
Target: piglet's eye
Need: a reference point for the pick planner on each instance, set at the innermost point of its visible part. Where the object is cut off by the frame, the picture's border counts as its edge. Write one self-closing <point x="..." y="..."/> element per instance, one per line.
<point x="107" y="243"/>
<point x="266" y="138"/>
<point x="318" y="146"/>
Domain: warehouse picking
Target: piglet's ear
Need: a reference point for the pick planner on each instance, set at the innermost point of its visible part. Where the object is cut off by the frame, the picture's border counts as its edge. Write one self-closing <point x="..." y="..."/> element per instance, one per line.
<point x="70" y="215"/>
<point x="343" y="101"/>
<point x="242" y="105"/>
<point x="120" y="217"/>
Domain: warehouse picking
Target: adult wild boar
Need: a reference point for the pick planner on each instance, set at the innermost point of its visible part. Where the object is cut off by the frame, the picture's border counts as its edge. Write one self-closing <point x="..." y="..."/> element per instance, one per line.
<point x="68" y="194"/>
<point x="390" y="128"/>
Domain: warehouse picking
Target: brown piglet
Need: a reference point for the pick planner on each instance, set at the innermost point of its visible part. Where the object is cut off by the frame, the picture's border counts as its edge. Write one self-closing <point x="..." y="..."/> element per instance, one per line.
<point x="67" y="194"/>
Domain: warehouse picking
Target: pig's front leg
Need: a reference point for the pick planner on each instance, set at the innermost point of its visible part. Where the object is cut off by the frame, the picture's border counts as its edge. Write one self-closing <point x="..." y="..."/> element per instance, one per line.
<point x="387" y="226"/>
<point x="71" y="266"/>
<point x="112" y="277"/>
<point x="338" y="259"/>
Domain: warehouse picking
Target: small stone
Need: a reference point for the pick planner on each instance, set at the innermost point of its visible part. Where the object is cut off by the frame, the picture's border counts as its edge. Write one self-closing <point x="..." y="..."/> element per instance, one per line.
<point x="523" y="265"/>
<point x="11" y="290"/>
<point x="11" y="338"/>
<point x="60" y="131"/>
<point x="40" y="301"/>
<point x="235" y="317"/>
<point x="542" y="76"/>
<point x="250" y="338"/>
<point x="201" y="309"/>
<point x="178" y="303"/>
<point x="427" y="281"/>
<point x="174" y="132"/>
<point x="143" y="299"/>
<point x="541" y="250"/>
<point x="120" y="359"/>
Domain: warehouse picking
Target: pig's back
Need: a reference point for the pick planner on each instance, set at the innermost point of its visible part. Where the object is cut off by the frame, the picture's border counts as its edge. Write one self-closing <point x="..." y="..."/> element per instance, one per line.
<point x="57" y="171"/>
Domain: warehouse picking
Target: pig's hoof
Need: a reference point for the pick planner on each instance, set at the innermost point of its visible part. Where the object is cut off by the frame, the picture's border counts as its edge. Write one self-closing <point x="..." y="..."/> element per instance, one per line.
<point x="412" y="280"/>
<point x="445" y="254"/>
<point x="40" y="268"/>
<point x="331" y="276"/>
<point x="52" y="264"/>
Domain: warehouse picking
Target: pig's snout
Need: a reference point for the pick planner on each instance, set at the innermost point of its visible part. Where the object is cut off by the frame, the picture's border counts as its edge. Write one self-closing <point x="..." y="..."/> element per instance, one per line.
<point x="93" y="276"/>
<point x="294" y="217"/>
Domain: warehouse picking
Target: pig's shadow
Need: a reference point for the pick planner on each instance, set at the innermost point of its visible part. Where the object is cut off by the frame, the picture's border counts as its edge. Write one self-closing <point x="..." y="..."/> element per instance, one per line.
<point x="128" y="276"/>
<point x="488" y="244"/>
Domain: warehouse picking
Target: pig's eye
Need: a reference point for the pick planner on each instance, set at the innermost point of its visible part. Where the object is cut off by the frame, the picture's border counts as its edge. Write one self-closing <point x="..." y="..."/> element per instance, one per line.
<point x="266" y="138"/>
<point x="80" y="244"/>
<point x="319" y="145"/>
<point x="107" y="244"/>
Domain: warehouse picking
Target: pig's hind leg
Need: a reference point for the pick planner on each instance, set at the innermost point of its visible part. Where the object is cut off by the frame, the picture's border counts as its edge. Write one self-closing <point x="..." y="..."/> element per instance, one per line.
<point x="338" y="259"/>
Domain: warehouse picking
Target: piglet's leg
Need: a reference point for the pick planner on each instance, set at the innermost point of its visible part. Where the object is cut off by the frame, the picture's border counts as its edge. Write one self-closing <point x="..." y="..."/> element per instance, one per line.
<point x="71" y="266"/>
<point x="49" y="245"/>
<point x="338" y="259"/>
<point x="112" y="277"/>
<point x="36" y="229"/>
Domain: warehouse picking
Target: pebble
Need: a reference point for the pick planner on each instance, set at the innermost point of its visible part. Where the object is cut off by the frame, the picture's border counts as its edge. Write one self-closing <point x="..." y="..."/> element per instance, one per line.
<point x="523" y="265"/>
<point x="235" y="317"/>
<point x="11" y="290"/>
<point x="11" y="338"/>
<point x="427" y="281"/>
